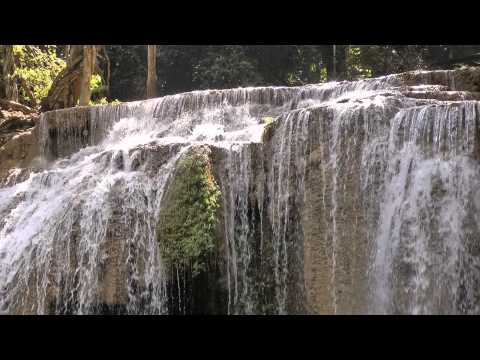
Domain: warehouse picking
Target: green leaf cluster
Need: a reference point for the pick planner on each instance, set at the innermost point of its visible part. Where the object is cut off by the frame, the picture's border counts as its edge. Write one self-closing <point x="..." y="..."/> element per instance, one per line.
<point x="37" y="67"/>
<point x="95" y="82"/>
<point x="356" y="69"/>
<point x="98" y="88"/>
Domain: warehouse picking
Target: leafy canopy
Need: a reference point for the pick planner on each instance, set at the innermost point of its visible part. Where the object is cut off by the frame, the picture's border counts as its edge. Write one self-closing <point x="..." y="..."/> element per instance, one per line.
<point x="36" y="67"/>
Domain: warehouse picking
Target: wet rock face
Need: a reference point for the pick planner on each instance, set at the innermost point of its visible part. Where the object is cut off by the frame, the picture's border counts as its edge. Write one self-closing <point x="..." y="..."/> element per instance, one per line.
<point x="337" y="158"/>
<point x="18" y="143"/>
<point x="468" y="79"/>
<point x="288" y="251"/>
<point x="17" y="155"/>
<point x="15" y="118"/>
<point x="360" y="197"/>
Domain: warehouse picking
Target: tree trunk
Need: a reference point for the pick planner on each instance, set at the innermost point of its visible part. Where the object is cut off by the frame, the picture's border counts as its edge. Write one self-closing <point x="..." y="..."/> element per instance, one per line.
<point x="72" y="85"/>
<point x="67" y="53"/>
<point x="103" y="67"/>
<point x="89" y="56"/>
<point x="334" y="62"/>
<point x="341" y="62"/>
<point x="9" y="78"/>
<point x="65" y="89"/>
<point x="327" y="56"/>
<point x="152" y="72"/>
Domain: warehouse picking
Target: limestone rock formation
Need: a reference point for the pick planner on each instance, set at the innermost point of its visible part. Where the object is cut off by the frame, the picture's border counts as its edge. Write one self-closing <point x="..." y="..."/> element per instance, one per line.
<point x="358" y="197"/>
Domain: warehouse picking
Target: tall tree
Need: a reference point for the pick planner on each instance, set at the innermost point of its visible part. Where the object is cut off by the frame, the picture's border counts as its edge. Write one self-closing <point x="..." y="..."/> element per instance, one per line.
<point x="334" y="62"/>
<point x="152" y="71"/>
<point x="102" y="66"/>
<point x="341" y="62"/>
<point x="89" y="56"/>
<point x="328" y="55"/>
<point x="10" y="81"/>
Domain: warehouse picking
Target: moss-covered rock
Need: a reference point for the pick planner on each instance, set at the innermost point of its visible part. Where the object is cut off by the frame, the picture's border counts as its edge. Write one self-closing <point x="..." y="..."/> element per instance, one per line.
<point x="268" y="130"/>
<point x="187" y="221"/>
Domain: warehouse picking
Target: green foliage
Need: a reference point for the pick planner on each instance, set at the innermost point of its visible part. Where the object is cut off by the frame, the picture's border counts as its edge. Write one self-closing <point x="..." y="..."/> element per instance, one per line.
<point x="183" y="68"/>
<point x="186" y="67"/>
<point x="104" y="101"/>
<point x="225" y="67"/>
<point x="355" y="67"/>
<point x="323" y="74"/>
<point x="128" y="71"/>
<point x="389" y="59"/>
<point x="187" y="223"/>
<point x="37" y="67"/>
<point x="307" y="66"/>
<point x="95" y="82"/>
<point x="97" y="88"/>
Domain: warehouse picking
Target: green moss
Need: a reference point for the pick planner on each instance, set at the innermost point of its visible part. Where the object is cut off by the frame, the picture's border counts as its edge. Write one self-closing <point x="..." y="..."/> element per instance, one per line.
<point x="268" y="120"/>
<point x="268" y="130"/>
<point x="186" y="229"/>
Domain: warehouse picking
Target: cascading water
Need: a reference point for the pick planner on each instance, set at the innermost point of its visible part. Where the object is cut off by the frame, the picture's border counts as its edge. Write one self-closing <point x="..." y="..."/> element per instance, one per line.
<point x="359" y="197"/>
<point x="429" y="218"/>
<point x="72" y="232"/>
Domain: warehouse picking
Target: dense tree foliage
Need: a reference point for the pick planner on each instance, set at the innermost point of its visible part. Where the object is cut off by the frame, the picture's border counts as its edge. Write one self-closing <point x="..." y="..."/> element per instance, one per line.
<point x="121" y="70"/>
<point x="188" y="67"/>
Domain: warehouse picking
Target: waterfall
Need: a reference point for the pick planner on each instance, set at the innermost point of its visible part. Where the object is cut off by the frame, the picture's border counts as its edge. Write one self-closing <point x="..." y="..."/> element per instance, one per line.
<point x="80" y="235"/>
<point x="429" y="217"/>
<point x="337" y="198"/>
<point x="238" y="231"/>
